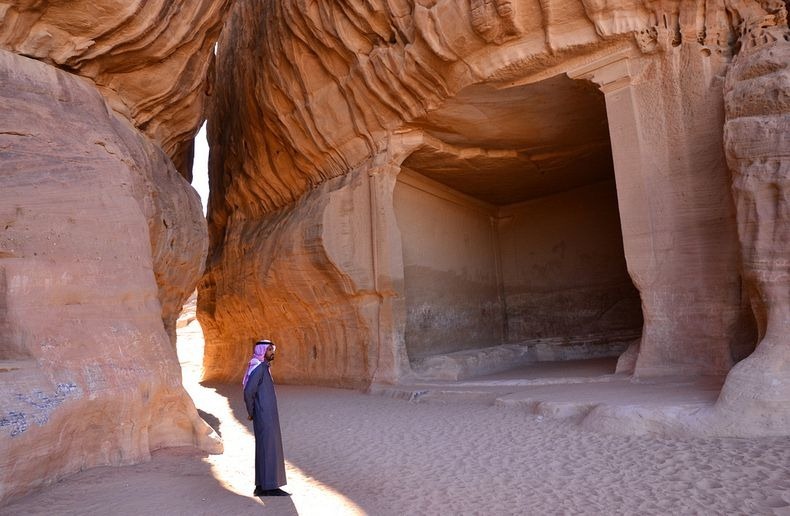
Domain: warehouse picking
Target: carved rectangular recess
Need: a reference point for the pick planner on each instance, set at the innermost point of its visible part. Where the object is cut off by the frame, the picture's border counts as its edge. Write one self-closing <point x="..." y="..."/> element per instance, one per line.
<point x="13" y="352"/>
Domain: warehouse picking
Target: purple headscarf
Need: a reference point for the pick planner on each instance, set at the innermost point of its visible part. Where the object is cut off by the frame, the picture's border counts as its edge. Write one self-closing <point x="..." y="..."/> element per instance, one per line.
<point x="258" y="357"/>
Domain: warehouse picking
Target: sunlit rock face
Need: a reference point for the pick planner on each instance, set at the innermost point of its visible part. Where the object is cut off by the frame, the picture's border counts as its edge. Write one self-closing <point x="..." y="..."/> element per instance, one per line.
<point x="299" y="291"/>
<point x="544" y="178"/>
<point x="101" y="237"/>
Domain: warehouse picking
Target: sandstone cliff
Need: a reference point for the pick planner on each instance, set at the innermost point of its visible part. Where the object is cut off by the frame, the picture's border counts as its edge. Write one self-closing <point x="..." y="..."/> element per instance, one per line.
<point x="385" y="173"/>
<point x="101" y="238"/>
<point x="488" y="99"/>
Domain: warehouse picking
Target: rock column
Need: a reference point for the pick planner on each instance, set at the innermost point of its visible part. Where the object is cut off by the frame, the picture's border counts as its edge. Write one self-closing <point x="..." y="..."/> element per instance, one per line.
<point x="390" y="355"/>
<point x="757" y="142"/>
<point x="665" y="116"/>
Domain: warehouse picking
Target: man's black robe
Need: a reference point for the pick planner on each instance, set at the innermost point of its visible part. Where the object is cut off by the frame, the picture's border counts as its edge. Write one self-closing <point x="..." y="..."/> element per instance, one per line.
<point x="262" y="406"/>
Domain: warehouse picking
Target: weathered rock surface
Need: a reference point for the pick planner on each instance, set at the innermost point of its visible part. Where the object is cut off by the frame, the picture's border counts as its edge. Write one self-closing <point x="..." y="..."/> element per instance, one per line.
<point x="453" y="123"/>
<point x="307" y="296"/>
<point x="149" y="59"/>
<point x="486" y="101"/>
<point x="101" y="240"/>
<point x="757" y="139"/>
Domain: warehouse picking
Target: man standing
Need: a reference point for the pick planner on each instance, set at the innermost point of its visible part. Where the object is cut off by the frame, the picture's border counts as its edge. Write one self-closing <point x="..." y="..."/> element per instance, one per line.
<point x="262" y="410"/>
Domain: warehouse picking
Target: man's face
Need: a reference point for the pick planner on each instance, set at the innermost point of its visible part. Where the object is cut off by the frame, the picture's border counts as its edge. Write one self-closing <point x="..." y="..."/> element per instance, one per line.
<point x="269" y="353"/>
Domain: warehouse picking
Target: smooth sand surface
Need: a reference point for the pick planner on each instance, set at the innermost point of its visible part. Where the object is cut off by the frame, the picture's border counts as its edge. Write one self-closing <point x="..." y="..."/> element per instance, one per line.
<point x="352" y="453"/>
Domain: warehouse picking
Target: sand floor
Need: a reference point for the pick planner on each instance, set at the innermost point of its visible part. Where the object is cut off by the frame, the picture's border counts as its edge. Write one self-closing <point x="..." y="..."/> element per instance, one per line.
<point x="352" y="453"/>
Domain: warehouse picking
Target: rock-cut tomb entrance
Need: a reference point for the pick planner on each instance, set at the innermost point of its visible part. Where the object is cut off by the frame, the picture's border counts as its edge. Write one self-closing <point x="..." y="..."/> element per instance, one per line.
<point x="523" y="248"/>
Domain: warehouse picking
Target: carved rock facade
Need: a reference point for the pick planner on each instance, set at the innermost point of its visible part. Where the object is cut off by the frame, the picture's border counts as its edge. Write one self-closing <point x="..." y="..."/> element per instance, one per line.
<point x="397" y="180"/>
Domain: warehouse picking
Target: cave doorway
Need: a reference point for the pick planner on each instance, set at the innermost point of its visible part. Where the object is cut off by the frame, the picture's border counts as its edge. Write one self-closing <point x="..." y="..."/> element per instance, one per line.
<point x="510" y="229"/>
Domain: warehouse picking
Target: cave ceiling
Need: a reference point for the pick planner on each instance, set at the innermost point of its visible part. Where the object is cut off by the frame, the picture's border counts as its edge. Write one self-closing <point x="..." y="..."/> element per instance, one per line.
<point x="510" y="145"/>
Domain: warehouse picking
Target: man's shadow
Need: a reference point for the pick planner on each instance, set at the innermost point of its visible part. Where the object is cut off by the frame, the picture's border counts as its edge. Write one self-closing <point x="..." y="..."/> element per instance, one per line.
<point x="235" y="396"/>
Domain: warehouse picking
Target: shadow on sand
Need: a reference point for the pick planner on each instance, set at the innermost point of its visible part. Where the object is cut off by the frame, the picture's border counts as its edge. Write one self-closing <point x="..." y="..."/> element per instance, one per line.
<point x="175" y="481"/>
<point x="212" y="420"/>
